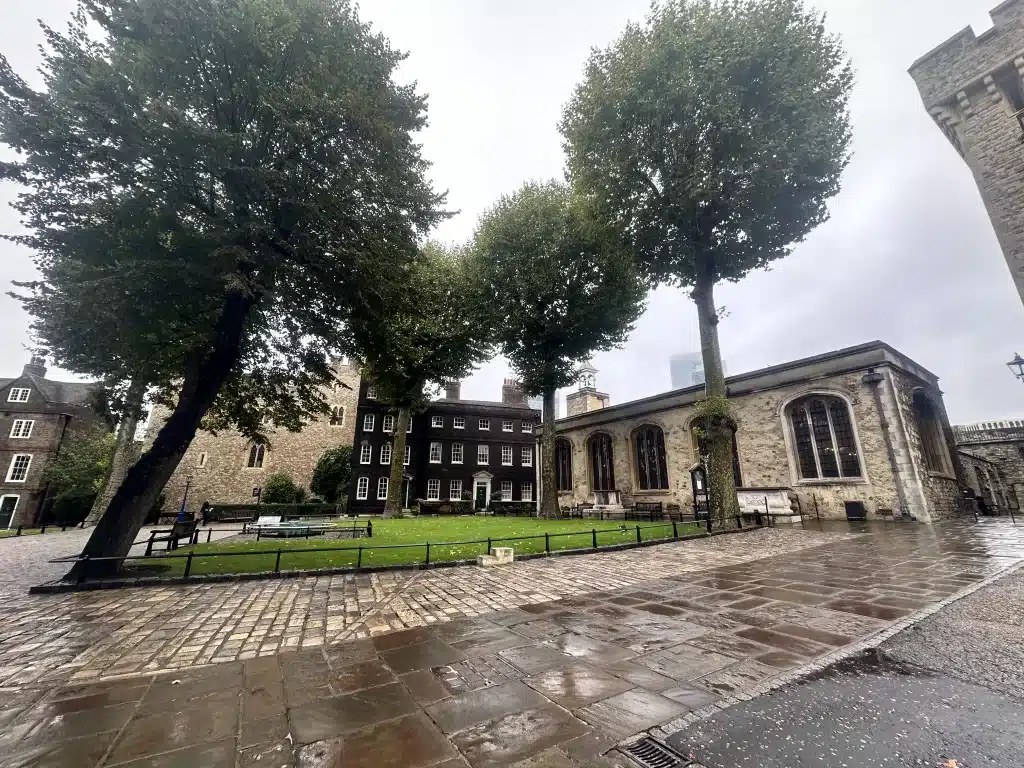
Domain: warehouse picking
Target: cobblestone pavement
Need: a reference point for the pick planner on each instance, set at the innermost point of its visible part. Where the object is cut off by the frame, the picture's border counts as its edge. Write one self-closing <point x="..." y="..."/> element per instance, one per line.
<point x="543" y="663"/>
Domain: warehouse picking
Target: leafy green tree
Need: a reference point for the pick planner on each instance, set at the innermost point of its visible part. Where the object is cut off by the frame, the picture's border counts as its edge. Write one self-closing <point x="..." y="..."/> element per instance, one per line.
<point x="435" y="330"/>
<point x="78" y="471"/>
<point x="561" y="289"/>
<point x="228" y="181"/>
<point x="332" y="474"/>
<point x="280" y="488"/>
<point x="711" y="138"/>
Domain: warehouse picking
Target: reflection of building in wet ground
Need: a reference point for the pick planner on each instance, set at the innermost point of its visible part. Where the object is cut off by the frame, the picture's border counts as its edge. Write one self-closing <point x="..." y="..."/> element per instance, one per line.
<point x="553" y="660"/>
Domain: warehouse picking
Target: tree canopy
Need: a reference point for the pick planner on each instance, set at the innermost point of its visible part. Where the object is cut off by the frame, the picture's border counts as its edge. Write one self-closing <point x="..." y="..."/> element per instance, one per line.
<point x="711" y="138"/>
<point x="227" y="181"/>
<point x="332" y="474"/>
<point x="436" y="330"/>
<point x="561" y="287"/>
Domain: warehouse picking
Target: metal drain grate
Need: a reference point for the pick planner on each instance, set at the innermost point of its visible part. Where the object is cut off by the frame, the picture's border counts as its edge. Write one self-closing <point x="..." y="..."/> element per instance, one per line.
<point x="653" y="754"/>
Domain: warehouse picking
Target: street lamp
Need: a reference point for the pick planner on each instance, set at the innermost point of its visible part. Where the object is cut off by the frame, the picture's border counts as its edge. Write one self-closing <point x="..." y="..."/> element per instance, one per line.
<point x="1016" y="366"/>
<point x="184" y="499"/>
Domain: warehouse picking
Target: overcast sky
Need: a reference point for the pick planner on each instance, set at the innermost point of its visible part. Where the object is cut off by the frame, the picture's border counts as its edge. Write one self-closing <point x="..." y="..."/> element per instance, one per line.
<point x="909" y="256"/>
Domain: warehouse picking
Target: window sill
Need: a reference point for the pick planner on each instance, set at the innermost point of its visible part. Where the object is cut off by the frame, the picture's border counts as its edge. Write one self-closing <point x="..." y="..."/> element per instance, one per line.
<point x="507" y="465"/>
<point x="658" y="492"/>
<point x="834" y="481"/>
<point x="434" y="462"/>
<point x="942" y="475"/>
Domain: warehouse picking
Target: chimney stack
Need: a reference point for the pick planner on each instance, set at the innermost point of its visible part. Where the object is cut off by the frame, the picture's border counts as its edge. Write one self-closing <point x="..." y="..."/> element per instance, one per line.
<point x="512" y="393"/>
<point x="36" y="367"/>
<point x="453" y="390"/>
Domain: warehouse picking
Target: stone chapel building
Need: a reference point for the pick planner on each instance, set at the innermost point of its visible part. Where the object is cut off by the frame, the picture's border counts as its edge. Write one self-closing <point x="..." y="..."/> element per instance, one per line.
<point x="860" y="432"/>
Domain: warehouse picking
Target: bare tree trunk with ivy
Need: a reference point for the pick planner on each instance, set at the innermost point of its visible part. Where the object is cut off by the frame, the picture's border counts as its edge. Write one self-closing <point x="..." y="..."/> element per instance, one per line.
<point x="549" y="487"/>
<point x="716" y="422"/>
<point x="393" y="506"/>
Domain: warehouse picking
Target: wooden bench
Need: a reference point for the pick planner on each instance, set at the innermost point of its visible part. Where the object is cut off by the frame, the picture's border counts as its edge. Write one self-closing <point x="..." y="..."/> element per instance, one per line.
<point x="645" y="510"/>
<point x="180" y="530"/>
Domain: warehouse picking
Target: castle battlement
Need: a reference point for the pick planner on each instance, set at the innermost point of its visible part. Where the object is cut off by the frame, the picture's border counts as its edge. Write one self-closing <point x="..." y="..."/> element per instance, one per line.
<point x="989" y="432"/>
<point x="961" y="62"/>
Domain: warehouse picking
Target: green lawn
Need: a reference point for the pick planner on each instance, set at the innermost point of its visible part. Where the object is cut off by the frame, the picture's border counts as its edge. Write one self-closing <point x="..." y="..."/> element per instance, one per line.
<point x="301" y="554"/>
<point x="6" y="532"/>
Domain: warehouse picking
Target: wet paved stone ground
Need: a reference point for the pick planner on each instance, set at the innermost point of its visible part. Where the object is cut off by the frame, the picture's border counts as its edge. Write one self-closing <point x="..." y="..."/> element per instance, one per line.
<point x="949" y="688"/>
<point x="544" y="663"/>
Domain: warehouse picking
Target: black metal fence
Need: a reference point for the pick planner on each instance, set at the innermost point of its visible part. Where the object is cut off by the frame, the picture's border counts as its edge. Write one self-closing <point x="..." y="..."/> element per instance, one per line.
<point x="358" y="557"/>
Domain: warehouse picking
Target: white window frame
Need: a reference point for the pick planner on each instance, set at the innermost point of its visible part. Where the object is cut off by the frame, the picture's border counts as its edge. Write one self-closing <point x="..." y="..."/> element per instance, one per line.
<point x="388" y="423"/>
<point x="526" y="491"/>
<point x="11" y="468"/>
<point x="365" y="453"/>
<point x="527" y="455"/>
<point x="528" y="427"/>
<point x="484" y="425"/>
<point x="362" y="489"/>
<point x="385" y="453"/>
<point x="408" y="455"/>
<point x="455" y="490"/>
<point x="506" y="456"/>
<point x="408" y="425"/>
<point x="436" y="450"/>
<point x="382" y="488"/>
<point x="506" y="490"/>
<point x="371" y="392"/>
<point x="461" y="453"/>
<point x="483" y="455"/>
<point x="19" y="395"/>
<point x="436" y="421"/>
<point x="507" y="425"/>
<point x="19" y="431"/>
<point x="433" y="490"/>
<point x="369" y="422"/>
<point x="458" y="422"/>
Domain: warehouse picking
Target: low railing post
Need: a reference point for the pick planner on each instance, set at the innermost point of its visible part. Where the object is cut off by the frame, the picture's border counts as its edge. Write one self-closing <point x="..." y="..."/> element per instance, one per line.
<point x="188" y="565"/>
<point x="85" y="566"/>
<point x="427" y="560"/>
<point x="43" y="528"/>
<point x="707" y="522"/>
<point x="638" y="539"/>
<point x="258" y="532"/>
<point x="488" y="545"/>
<point x="594" y="533"/>
<point x="547" y="541"/>
<point x="369" y="529"/>
<point x="209" y="533"/>
<point x="19" y="531"/>
<point x="675" y="530"/>
<point x="359" y="557"/>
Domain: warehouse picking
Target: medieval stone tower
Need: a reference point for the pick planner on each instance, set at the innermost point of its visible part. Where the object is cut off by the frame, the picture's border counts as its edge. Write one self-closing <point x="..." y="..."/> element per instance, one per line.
<point x="973" y="87"/>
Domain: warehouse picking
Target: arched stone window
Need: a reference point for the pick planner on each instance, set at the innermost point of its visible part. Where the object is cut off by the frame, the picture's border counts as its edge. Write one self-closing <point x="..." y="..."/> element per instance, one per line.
<point x="563" y="464"/>
<point x="700" y="451"/>
<point x="929" y="429"/>
<point x="823" y="436"/>
<point x="337" y="416"/>
<point x="256" y="454"/>
<point x="602" y="472"/>
<point x="649" y="455"/>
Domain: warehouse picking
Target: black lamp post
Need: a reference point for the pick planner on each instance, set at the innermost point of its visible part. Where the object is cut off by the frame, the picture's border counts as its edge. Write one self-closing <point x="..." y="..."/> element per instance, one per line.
<point x="1016" y="366"/>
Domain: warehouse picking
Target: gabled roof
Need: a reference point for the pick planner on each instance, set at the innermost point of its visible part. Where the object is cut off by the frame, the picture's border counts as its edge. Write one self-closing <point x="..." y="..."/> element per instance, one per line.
<point x="488" y="404"/>
<point x="63" y="392"/>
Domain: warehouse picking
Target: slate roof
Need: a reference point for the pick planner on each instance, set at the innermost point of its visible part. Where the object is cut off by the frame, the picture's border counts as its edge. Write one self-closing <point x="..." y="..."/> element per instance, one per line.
<point x="69" y="392"/>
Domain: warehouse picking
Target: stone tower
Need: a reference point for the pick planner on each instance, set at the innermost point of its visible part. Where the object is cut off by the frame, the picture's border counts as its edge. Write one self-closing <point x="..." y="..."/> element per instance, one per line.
<point x="587" y="398"/>
<point x="973" y="87"/>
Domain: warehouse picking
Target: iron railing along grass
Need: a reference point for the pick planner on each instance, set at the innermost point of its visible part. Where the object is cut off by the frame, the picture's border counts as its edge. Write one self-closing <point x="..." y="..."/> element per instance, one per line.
<point x="427" y="547"/>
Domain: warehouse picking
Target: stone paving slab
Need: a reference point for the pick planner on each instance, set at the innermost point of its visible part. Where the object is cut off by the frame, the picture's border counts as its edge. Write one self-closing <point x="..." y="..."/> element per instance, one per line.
<point x="561" y="694"/>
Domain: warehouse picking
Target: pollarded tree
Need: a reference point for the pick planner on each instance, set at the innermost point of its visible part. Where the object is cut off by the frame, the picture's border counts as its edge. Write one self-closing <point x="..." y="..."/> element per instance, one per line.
<point x="437" y="329"/>
<point x="226" y="180"/>
<point x="711" y="138"/>
<point x="561" y="288"/>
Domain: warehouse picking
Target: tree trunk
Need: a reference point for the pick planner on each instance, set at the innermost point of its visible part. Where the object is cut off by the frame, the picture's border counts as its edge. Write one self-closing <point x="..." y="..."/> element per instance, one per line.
<point x="549" y="487"/>
<point x="126" y="451"/>
<point x="718" y="428"/>
<point x="114" y="534"/>
<point x="393" y="506"/>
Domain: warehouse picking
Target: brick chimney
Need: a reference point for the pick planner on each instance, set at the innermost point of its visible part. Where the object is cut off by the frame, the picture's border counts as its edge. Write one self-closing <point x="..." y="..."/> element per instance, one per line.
<point x="36" y="366"/>
<point x="453" y="390"/>
<point x="512" y="393"/>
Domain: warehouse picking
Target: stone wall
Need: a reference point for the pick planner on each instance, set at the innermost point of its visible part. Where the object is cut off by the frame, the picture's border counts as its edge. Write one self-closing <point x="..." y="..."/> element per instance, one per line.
<point x="763" y="446"/>
<point x="1002" y="444"/>
<point x="986" y="481"/>
<point x="963" y="85"/>
<point x="223" y="475"/>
